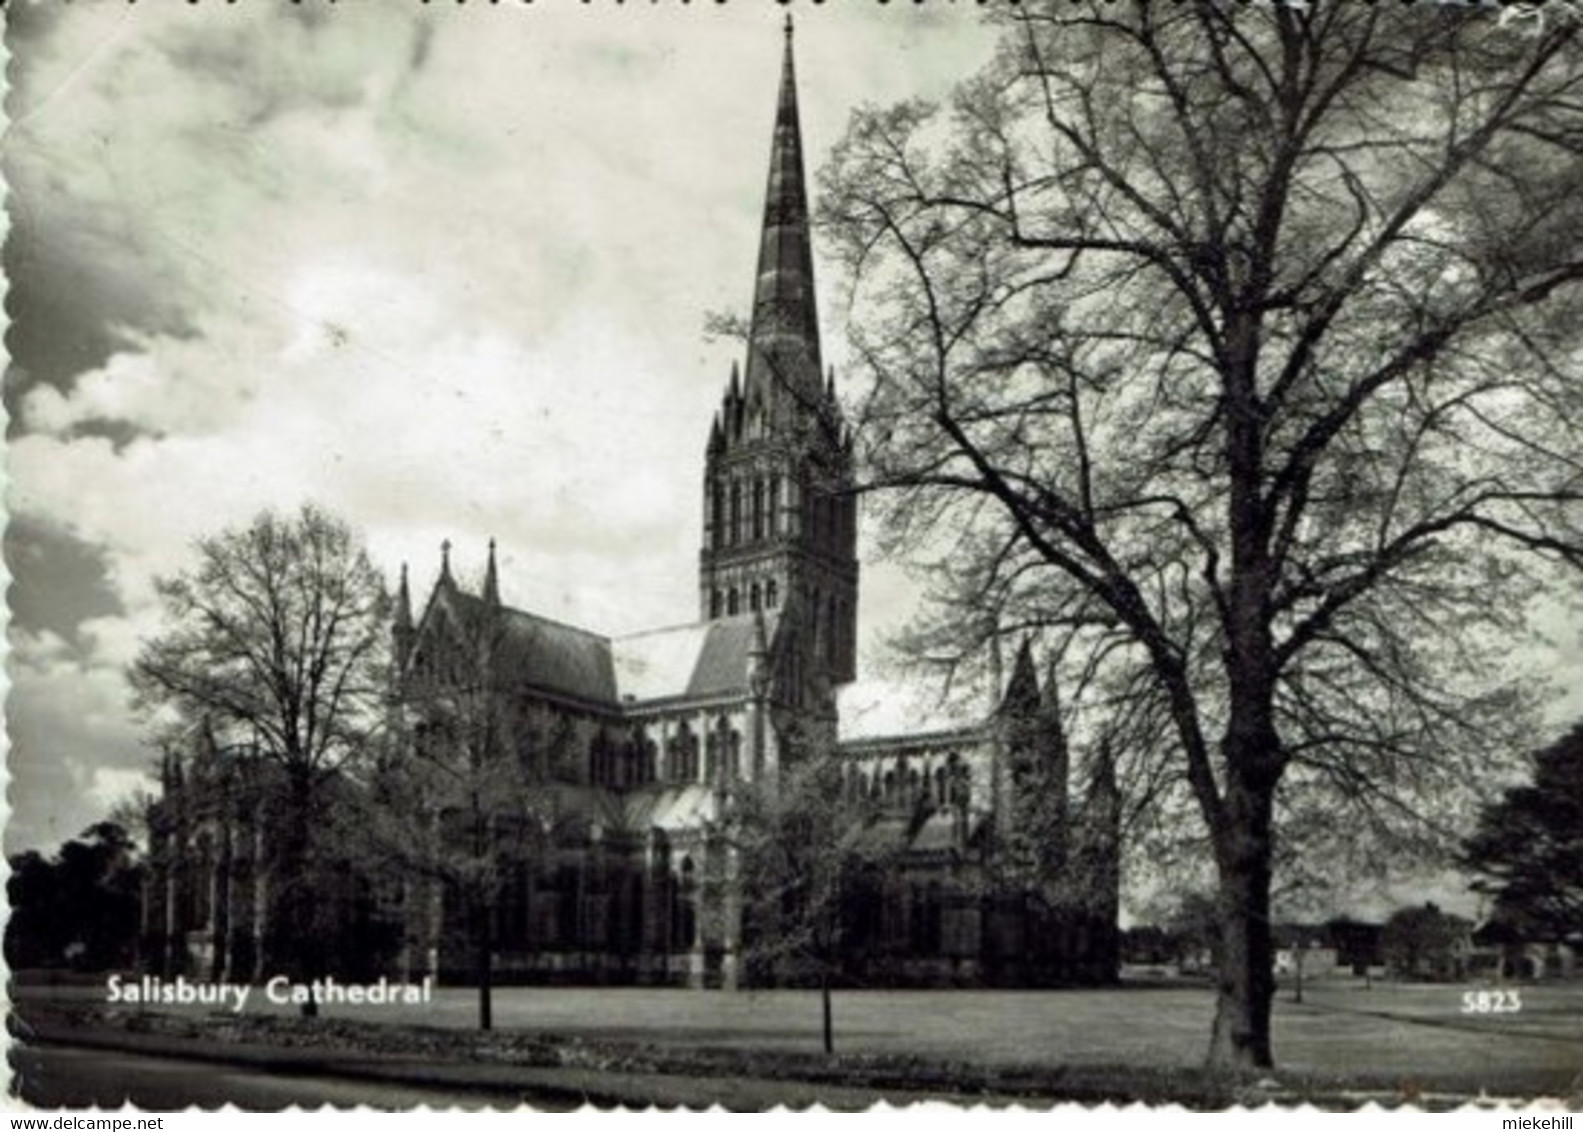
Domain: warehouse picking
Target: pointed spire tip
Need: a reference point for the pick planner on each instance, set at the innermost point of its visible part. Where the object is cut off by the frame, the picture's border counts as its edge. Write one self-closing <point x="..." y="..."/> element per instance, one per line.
<point x="491" y="577"/>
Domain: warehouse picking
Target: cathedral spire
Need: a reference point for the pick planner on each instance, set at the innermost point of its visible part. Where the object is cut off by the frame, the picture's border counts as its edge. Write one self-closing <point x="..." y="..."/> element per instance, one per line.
<point x="783" y="342"/>
<point x="780" y="534"/>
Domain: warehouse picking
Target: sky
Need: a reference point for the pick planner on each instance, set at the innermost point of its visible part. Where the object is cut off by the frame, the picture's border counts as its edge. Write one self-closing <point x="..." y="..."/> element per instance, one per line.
<point x="444" y="270"/>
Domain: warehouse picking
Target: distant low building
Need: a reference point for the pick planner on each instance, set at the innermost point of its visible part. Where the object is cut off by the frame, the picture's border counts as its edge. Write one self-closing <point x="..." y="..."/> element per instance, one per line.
<point x="1502" y="950"/>
<point x="1305" y="949"/>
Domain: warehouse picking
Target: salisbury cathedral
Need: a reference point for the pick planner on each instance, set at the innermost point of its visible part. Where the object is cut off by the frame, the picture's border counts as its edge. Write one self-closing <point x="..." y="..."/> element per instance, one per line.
<point x="649" y="735"/>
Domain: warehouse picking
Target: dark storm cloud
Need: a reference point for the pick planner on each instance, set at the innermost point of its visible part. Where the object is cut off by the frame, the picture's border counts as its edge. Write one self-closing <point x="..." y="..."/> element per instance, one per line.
<point x="72" y="298"/>
<point x="255" y="86"/>
<point x="73" y="289"/>
<point x="88" y="271"/>
<point x="57" y="581"/>
<point x="27" y="25"/>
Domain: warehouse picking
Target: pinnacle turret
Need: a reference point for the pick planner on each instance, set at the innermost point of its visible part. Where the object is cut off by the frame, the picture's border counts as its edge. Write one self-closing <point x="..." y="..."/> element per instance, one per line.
<point x="402" y="632"/>
<point x="403" y="602"/>
<point x="491" y="592"/>
<point x="1021" y="698"/>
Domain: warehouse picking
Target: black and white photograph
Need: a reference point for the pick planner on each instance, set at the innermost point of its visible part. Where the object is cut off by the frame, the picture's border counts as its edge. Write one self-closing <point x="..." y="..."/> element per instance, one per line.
<point x="744" y="554"/>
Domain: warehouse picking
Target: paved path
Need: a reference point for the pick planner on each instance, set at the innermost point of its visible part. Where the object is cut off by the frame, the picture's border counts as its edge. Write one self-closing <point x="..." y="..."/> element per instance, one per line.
<point x="157" y="1072"/>
<point x="67" y="1077"/>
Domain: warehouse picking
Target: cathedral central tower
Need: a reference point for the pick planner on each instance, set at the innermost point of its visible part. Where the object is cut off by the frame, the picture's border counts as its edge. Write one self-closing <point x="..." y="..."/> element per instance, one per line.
<point x="780" y="516"/>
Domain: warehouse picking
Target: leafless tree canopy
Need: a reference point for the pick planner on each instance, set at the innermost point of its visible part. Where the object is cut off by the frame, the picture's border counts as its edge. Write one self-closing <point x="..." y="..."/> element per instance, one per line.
<point x="275" y="645"/>
<point x="1234" y="346"/>
<point x="804" y="850"/>
<point x="464" y="796"/>
<point x="276" y="636"/>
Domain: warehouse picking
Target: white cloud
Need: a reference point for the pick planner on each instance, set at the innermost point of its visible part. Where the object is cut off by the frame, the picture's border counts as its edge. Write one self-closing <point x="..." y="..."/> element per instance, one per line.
<point x="111" y="786"/>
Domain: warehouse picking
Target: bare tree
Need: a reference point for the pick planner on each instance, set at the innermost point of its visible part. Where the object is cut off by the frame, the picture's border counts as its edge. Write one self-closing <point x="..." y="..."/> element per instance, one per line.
<point x="806" y="851"/>
<point x="1234" y="347"/>
<point x="463" y="797"/>
<point x="276" y="638"/>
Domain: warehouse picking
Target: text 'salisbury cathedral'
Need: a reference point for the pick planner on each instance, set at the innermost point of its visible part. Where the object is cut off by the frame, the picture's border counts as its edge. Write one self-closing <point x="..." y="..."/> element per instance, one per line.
<point x="649" y="732"/>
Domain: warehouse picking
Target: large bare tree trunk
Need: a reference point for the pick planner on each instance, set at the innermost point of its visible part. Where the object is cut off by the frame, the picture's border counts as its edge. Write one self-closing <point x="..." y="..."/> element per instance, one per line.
<point x="302" y="941"/>
<point x="1245" y="989"/>
<point x="1242" y="827"/>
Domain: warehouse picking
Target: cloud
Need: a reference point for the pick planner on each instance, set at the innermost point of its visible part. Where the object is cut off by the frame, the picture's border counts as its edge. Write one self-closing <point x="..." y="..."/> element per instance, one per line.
<point x="376" y="397"/>
<point x="72" y="740"/>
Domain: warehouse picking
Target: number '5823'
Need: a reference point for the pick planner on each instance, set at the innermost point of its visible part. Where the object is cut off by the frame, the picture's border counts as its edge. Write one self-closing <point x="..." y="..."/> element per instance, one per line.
<point x="1491" y="1002"/>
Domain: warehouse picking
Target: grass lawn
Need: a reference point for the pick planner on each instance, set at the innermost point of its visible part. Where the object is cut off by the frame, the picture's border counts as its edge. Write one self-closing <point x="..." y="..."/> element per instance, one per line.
<point x="1407" y="1036"/>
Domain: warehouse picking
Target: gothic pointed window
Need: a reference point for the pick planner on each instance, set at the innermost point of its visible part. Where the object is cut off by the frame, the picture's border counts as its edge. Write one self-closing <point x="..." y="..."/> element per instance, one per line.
<point x="686" y="747"/>
<point x="755" y="595"/>
<point x="774" y="505"/>
<point x="731" y="602"/>
<point x="758" y="509"/>
<point x="736" y="513"/>
<point x="961" y="784"/>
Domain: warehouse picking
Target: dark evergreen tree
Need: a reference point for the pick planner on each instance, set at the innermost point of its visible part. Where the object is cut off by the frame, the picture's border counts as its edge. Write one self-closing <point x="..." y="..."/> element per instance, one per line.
<point x="79" y="909"/>
<point x="1424" y="942"/>
<point x="1528" y="848"/>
